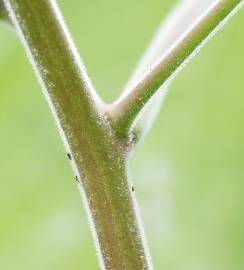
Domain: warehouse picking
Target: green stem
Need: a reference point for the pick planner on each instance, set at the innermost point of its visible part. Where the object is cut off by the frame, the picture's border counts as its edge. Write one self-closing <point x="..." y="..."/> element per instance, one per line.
<point x="176" y="24"/>
<point x="99" y="160"/>
<point x="124" y="111"/>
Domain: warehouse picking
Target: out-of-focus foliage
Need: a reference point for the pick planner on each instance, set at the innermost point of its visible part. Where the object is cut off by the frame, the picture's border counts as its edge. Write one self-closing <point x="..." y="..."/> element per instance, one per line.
<point x="3" y="12"/>
<point x="188" y="174"/>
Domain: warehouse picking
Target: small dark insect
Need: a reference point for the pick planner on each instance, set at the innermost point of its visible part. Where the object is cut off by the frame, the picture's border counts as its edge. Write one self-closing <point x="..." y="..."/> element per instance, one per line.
<point x="133" y="189"/>
<point x="76" y="179"/>
<point x="69" y="156"/>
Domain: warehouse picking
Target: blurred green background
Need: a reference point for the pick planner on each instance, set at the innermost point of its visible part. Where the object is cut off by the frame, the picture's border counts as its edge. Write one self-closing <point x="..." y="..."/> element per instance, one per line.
<point x="188" y="174"/>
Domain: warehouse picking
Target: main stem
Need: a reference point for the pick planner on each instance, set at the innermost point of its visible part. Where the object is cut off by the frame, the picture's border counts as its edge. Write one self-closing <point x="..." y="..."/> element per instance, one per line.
<point x="98" y="157"/>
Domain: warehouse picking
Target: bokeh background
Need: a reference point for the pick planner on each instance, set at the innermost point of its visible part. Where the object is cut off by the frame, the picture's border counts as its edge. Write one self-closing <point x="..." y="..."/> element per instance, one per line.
<point x="188" y="174"/>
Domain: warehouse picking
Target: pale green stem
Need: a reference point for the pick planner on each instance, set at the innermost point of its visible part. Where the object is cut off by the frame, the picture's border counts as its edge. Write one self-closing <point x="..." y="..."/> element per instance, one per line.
<point x="98" y="158"/>
<point x="180" y="19"/>
<point x="124" y="111"/>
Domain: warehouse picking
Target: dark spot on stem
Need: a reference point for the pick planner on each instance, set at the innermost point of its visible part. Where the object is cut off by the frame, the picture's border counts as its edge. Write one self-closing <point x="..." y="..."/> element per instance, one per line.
<point x="69" y="156"/>
<point x="76" y="179"/>
<point x="133" y="189"/>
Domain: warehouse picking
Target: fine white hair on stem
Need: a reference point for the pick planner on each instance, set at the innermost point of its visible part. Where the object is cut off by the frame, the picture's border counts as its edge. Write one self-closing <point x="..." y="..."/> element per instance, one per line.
<point x="181" y="18"/>
<point x="126" y="109"/>
<point x="56" y="118"/>
<point x="77" y="58"/>
<point x="99" y="160"/>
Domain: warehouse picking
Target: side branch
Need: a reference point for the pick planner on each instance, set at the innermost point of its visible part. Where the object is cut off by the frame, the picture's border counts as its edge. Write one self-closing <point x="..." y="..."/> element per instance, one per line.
<point x="124" y="111"/>
<point x="181" y="18"/>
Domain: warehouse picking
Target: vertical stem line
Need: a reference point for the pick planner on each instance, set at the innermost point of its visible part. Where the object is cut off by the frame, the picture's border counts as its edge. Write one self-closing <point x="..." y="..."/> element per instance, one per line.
<point x="99" y="160"/>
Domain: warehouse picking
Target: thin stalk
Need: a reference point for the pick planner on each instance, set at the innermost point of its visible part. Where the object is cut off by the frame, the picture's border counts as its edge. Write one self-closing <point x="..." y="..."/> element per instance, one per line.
<point x="124" y="111"/>
<point x="181" y="18"/>
<point x="98" y="158"/>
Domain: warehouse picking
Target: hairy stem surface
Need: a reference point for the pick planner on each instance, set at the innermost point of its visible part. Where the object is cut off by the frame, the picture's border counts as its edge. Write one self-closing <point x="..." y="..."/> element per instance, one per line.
<point x="177" y="23"/>
<point x="98" y="158"/>
<point x="124" y="112"/>
<point x="99" y="147"/>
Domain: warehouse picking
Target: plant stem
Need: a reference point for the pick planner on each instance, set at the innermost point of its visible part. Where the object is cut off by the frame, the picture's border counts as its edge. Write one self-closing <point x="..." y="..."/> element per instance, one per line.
<point x="124" y="111"/>
<point x="98" y="158"/>
<point x="181" y="18"/>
